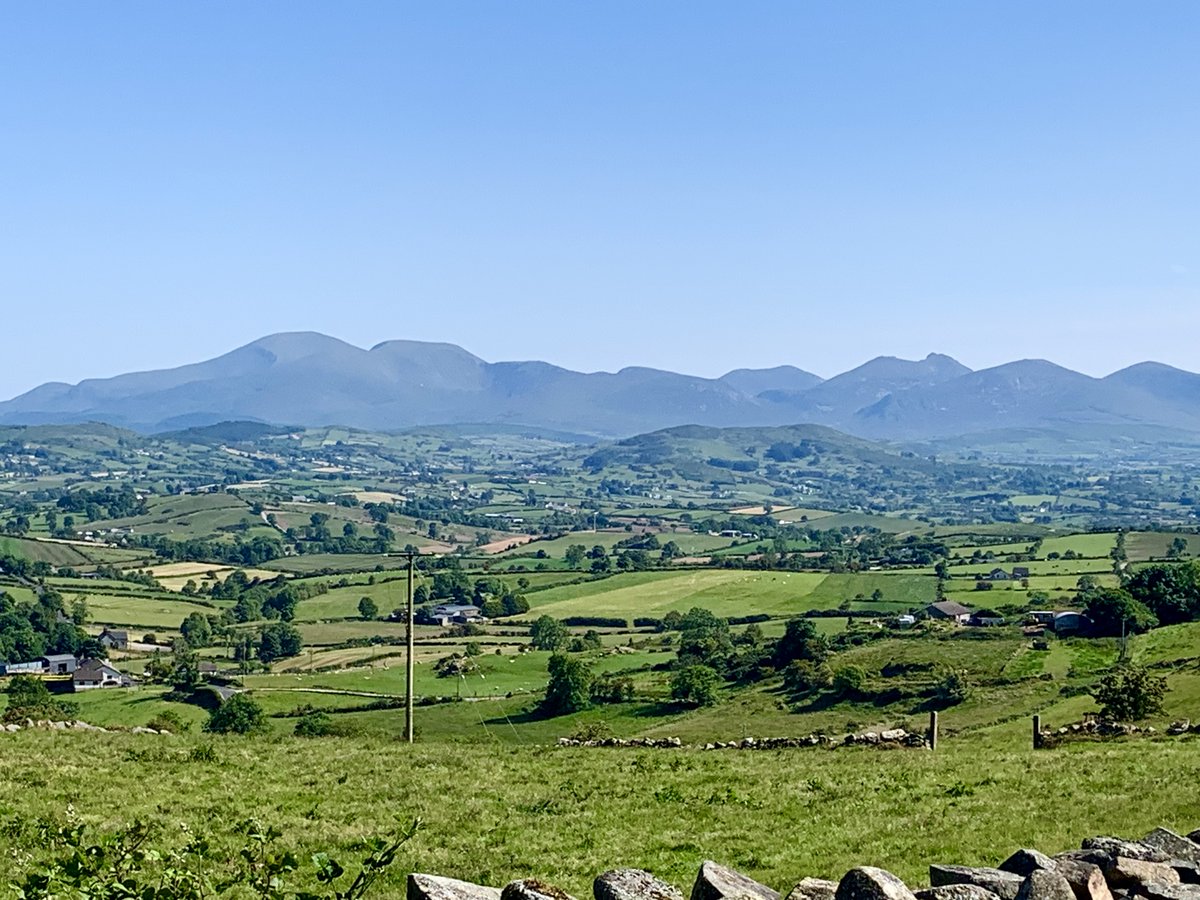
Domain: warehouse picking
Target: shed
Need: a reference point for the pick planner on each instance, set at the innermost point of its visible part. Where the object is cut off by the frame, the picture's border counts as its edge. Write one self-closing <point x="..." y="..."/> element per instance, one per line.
<point x="948" y="609"/>
<point x="59" y="664"/>
<point x="1020" y="572"/>
<point x="1070" y="622"/>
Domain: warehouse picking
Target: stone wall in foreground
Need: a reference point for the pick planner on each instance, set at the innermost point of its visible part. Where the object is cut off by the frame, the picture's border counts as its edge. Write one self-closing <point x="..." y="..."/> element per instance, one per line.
<point x="1162" y="866"/>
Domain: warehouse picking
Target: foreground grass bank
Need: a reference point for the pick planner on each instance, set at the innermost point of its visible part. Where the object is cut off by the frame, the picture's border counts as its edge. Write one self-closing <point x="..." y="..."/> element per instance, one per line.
<point x="493" y="813"/>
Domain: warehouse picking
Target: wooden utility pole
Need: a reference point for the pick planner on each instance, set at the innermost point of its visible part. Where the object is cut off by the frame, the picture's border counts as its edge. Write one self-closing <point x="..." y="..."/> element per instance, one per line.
<point x="933" y="729"/>
<point x="1037" y="732"/>
<point x="408" y="662"/>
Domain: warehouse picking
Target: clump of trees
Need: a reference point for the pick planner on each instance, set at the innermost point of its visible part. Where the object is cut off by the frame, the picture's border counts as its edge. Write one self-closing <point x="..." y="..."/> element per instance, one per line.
<point x="29" y="630"/>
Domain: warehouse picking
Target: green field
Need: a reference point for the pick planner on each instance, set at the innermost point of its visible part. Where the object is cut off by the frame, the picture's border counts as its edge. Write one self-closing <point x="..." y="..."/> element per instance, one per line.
<point x="566" y="815"/>
<point x="54" y="552"/>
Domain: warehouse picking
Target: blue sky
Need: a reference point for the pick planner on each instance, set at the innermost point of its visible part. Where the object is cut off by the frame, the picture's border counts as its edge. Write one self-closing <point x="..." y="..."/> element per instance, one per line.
<point x="689" y="185"/>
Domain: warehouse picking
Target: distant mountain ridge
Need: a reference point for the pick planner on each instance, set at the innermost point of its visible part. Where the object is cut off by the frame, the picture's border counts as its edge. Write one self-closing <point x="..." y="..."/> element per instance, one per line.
<point x="311" y="379"/>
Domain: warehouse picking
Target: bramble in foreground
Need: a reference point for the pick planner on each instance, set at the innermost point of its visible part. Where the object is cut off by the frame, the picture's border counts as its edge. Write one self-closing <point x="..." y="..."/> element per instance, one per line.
<point x="124" y="865"/>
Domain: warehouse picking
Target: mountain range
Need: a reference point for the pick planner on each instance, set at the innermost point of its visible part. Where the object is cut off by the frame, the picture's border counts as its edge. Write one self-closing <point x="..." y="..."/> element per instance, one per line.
<point x="312" y="379"/>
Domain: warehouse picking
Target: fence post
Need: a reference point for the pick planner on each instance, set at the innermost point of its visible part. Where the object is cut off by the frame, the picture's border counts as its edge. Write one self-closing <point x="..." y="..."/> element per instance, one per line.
<point x="933" y="729"/>
<point x="1037" y="732"/>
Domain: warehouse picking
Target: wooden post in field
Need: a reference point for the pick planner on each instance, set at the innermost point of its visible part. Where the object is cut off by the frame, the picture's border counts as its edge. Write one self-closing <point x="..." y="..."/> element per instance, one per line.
<point x="1037" y="732"/>
<point x="408" y="675"/>
<point x="933" y="729"/>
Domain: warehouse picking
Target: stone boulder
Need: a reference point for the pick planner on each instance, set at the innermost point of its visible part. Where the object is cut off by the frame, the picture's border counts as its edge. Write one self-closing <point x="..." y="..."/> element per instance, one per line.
<point x="1168" y="892"/>
<point x="718" y="882"/>
<point x="814" y="889"/>
<point x="1086" y="879"/>
<point x="870" y="883"/>
<point x="1027" y="861"/>
<point x="533" y="889"/>
<point x="1123" y="872"/>
<point x="1005" y="885"/>
<point x="435" y="887"/>
<point x="1172" y="844"/>
<point x="1043" y="884"/>
<point x="1127" y="849"/>
<point x="956" y="892"/>
<point x="633" y="884"/>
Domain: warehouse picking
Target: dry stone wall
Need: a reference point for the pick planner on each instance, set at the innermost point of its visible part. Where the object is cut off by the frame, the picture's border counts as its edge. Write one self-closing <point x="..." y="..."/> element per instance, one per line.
<point x="1161" y="866"/>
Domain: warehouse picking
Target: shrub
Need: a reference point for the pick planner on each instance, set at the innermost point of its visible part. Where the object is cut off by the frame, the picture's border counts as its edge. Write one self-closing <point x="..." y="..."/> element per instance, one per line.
<point x="1129" y="694"/>
<point x="803" y="676"/>
<point x="237" y="715"/>
<point x="610" y="688"/>
<point x="314" y="723"/>
<point x="849" y="681"/>
<point x="695" y="685"/>
<point x="168" y="720"/>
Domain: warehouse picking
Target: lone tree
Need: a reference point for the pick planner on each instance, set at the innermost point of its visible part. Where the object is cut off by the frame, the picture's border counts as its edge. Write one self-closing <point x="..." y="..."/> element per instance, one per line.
<point x="367" y="608"/>
<point x="570" y="686"/>
<point x="1129" y="694"/>
<point x="547" y="633"/>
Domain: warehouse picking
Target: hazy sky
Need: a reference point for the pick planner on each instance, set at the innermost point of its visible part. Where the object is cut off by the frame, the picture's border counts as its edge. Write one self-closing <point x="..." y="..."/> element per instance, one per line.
<point x="695" y="186"/>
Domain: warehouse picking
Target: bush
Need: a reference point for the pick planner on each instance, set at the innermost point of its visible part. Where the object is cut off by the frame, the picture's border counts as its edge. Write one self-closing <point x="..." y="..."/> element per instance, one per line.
<point x="168" y="720"/>
<point x="952" y="688"/>
<point x="610" y="688"/>
<point x="314" y="723"/>
<point x="28" y="698"/>
<point x="695" y="685"/>
<point x="849" y="681"/>
<point x="237" y="715"/>
<point x="803" y="676"/>
<point x="1129" y="694"/>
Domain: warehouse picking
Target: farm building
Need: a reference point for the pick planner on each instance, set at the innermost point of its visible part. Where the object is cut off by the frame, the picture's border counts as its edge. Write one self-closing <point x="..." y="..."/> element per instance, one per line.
<point x="96" y="673"/>
<point x="22" y="668"/>
<point x="986" y="617"/>
<point x="948" y="610"/>
<point x="998" y="575"/>
<point x="1071" y="623"/>
<point x="1020" y="573"/>
<point x="1043" y="616"/>
<point x="456" y="614"/>
<point x="59" y="664"/>
<point x="115" y="640"/>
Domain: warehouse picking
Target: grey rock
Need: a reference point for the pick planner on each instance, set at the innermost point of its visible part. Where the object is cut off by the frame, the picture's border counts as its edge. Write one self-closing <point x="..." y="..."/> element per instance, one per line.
<point x="814" y="889"/>
<point x="1094" y="857"/>
<point x="1045" y="885"/>
<point x="1169" y="891"/>
<point x="633" y="884"/>
<point x="533" y="889"/>
<point x="1124" y="872"/>
<point x="1127" y="849"/>
<point x="956" y="892"/>
<point x="870" y="883"/>
<point x="435" y="887"/>
<point x="1005" y="885"/>
<point x="1086" y="879"/>
<point x="1027" y="861"/>
<point x="1172" y="844"/>
<point x="717" y="882"/>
